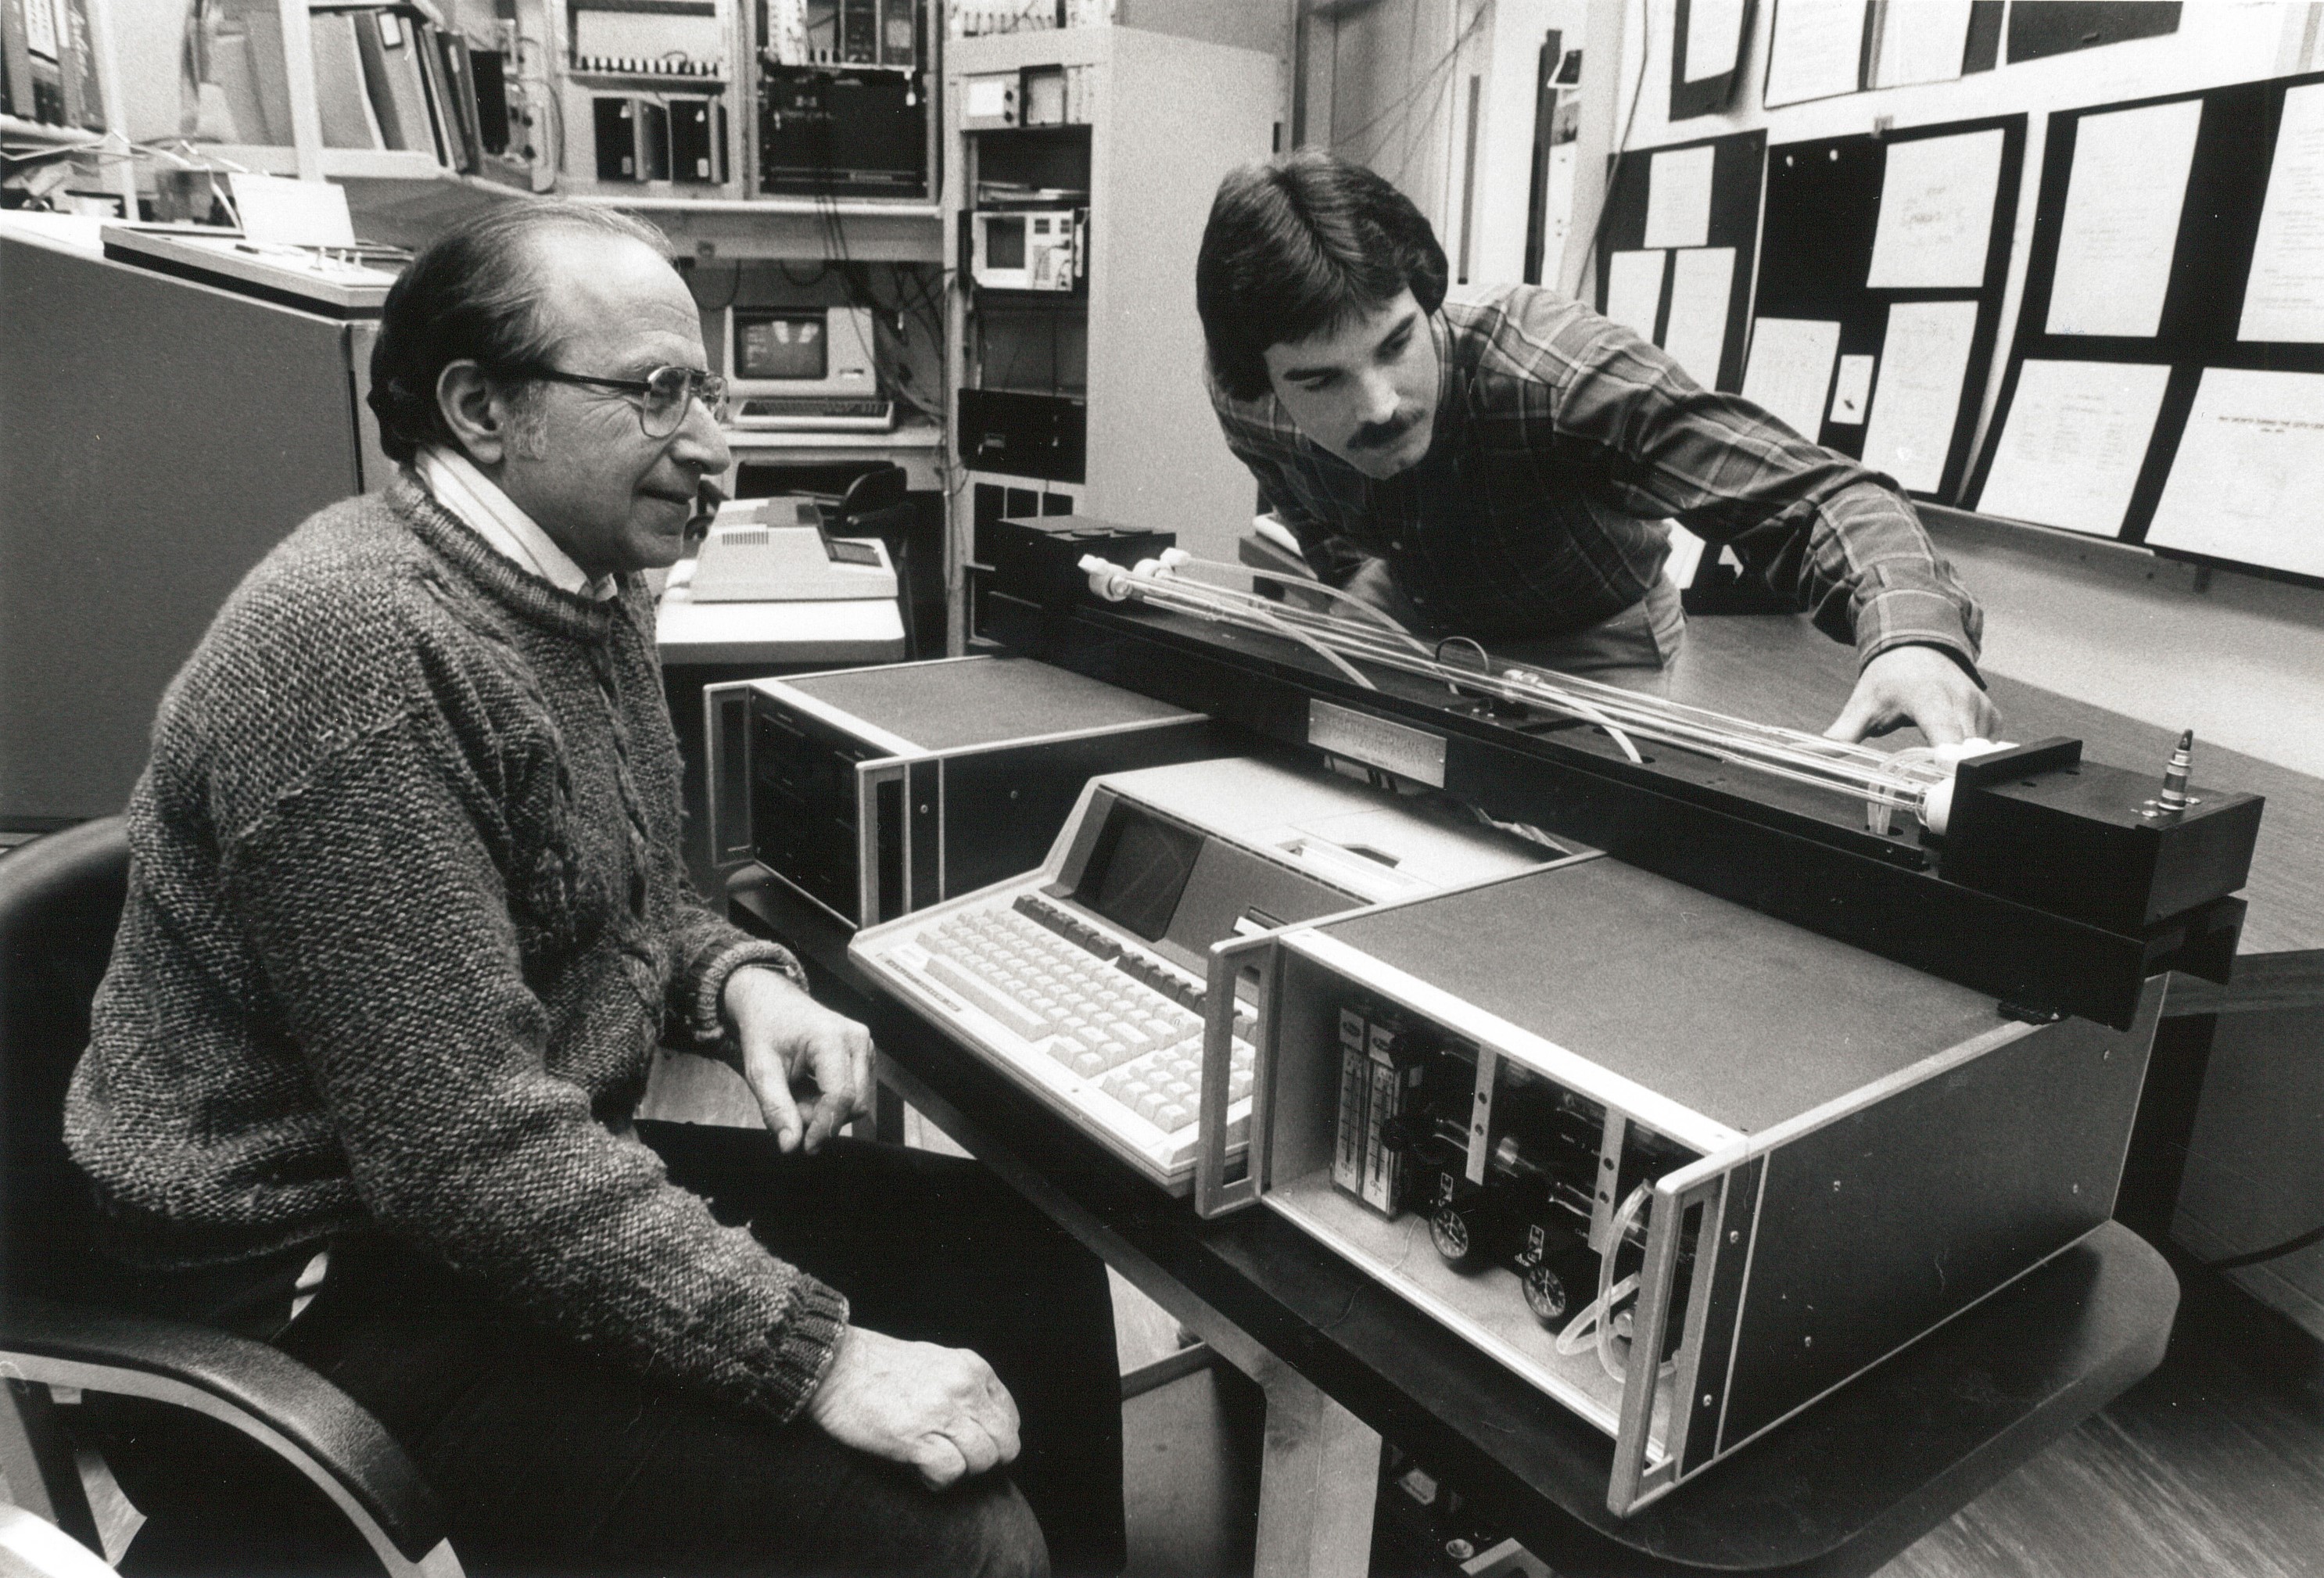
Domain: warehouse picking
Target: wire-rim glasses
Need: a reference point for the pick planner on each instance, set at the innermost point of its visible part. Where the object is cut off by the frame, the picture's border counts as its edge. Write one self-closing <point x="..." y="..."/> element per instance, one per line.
<point x="663" y="396"/>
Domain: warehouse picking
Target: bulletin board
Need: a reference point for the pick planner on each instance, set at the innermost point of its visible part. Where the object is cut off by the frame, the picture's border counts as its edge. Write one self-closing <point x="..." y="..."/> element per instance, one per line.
<point x="2160" y="390"/>
<point x="1872" y="272"/>
<point x="1720" y="210"/>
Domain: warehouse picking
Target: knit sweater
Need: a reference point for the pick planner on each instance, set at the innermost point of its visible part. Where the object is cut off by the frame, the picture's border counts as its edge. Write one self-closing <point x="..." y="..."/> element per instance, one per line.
<point x="406" y="923"/>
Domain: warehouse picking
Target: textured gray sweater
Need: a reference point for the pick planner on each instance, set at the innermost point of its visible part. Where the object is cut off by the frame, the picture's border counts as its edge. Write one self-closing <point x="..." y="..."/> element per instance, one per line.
<point x="406" y="922"/>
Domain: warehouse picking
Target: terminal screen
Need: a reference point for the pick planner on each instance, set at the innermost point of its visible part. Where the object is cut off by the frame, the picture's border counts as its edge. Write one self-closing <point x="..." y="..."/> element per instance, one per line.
<point x="789" y="345"/>
<point x="1138" y="870"/>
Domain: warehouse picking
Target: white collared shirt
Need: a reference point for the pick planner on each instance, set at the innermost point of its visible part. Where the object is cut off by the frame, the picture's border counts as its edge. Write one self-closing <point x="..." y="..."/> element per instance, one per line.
<point x="477" y="500"/>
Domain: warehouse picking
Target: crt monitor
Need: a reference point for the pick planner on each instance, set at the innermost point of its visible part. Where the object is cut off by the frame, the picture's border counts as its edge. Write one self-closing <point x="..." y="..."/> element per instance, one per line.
<point x="800" y="350"/>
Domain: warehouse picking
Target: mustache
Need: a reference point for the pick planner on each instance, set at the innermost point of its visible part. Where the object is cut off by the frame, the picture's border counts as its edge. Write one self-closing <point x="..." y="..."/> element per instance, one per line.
<point x="1382" y="435"/>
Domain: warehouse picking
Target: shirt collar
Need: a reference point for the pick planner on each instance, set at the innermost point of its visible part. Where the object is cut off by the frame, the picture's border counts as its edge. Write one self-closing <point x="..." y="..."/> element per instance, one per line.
<point x="479" y="504"/>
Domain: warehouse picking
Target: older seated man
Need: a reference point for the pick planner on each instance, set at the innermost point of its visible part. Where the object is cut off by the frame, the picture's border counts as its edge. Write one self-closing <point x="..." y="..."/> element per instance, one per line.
<point x="406" y="923"/>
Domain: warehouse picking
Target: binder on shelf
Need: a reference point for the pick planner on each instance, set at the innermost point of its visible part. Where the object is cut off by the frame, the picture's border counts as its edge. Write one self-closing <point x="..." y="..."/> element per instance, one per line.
<point x="391" y="48"/>
<point x="342" y="96"/>
<point x="28" y="37"/>
<point x="83" y="103"/>
<point x="251" y="74"/>
<point x="452" y="85"/>
<point x="16" y="67"/>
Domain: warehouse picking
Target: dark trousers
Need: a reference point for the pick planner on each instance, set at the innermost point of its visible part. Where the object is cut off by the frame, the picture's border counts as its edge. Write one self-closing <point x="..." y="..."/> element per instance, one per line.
<point x="551" y="1461"/>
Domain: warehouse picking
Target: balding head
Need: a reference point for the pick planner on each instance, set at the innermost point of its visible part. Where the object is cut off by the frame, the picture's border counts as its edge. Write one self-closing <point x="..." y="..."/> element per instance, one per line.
<point x="485" y="291"/>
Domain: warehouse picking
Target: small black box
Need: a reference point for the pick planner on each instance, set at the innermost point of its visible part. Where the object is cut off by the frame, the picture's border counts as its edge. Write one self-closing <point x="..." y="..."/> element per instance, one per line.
<point x="1024" y="435"/>
<point x="1038" y="558"/>
<point x="698" y="141"/>
<point x="2083" y="840"/>
<point x="615" y="123"/>
<point x="850" y="132"/>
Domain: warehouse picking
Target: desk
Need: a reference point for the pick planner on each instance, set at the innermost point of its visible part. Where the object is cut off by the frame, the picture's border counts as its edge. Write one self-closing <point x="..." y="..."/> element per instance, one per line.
<point x="1837" y="1492"/>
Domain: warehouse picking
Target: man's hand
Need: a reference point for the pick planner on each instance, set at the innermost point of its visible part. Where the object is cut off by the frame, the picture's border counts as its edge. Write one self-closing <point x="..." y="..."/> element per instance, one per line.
<point x="942" y="1410"/>
<point x="1919" y="685"/>
<point x="786" y="1036"/>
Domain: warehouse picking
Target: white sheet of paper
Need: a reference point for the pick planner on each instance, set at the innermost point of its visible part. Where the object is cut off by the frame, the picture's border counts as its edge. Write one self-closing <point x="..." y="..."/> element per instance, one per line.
<point x="2122" y="220"/>
<point x="1790" y="370"/>
<point x="2284" y="298"/>
<point x="1814" y="50"/>
<point x="2249" y="472"/>
<point x="1714" y="30"/>
<point x="1923" y="363"/>
<point x="1634" y="290"/>
<point x="292" y="213"/>
<point x="1936" y="213"/>
<point x="2076" y="438"/>
<point x="1702" y="279"/>
<point x="1852" y="390"/>
<point x="1920" y="41"/>
<point x="1678" y="198"/>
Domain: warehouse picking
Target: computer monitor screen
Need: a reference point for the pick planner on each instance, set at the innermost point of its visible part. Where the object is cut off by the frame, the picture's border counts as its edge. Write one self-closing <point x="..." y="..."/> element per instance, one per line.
<point x="1138" y="869"/>
<point x="801" y="351"/>
<point x="790" y="346"/>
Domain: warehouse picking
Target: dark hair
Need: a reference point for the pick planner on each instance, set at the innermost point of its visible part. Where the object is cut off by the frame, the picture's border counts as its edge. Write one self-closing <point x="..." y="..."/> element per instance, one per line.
<point x="475" y="293"/>
<point x="1300" y="246"/>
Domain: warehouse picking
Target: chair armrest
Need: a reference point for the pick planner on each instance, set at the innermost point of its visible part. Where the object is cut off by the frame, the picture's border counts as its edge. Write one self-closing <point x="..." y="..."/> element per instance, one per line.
<point x="259" y="1390"/>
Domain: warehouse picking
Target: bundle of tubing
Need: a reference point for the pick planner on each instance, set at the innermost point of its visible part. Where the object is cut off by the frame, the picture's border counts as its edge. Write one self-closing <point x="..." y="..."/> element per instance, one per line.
<point x="1884" y="781"/>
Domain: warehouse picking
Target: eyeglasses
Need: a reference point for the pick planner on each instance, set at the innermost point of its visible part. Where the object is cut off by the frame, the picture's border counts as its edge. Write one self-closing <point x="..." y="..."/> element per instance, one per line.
<point x="664" y="396"/>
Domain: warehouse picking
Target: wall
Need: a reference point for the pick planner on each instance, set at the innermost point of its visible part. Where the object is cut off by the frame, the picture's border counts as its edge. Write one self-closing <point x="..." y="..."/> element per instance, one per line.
<point x="2237" y="658"/>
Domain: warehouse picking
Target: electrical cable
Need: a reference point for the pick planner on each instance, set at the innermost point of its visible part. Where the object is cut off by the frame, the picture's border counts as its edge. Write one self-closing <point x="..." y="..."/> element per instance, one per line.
<point x="1427" y="80"/>
<point x="2290" y="1246"/>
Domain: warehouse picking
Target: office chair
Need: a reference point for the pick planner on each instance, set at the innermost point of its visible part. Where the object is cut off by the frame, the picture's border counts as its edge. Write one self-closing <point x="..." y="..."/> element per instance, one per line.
<point x="61" y="899"/>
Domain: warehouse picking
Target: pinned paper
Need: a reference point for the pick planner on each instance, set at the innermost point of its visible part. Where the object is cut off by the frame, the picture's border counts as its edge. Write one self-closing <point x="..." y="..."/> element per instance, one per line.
<point x="1815" y="49"/>
<point x="1634" y="290"/>
<point x="1790" y="370"/>
<point x="2074" y="442"/>
<point x="2249" y="471"/>
<point x="2121" y="227"/>
<point x="1924" y="365"/>
<point x="1678" y="198"/>
<point x="1936" y="212"/>
<point x="1702" y="282"/>
<point x="2284" y="297"/>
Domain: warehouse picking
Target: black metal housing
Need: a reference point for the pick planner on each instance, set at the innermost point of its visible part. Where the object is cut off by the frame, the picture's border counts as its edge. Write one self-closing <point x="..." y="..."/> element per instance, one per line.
<point x="2092" y="842"/>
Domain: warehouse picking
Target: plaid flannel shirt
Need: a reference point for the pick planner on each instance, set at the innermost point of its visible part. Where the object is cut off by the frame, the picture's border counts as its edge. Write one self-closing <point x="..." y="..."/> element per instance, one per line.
<point x="1563" y="442"/>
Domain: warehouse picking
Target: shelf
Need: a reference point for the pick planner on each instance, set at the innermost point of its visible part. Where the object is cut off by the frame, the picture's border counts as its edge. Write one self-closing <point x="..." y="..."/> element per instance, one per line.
<point x="916" y="434"/>
<point x="40" y="133"/>
<point x="877" y="230"/>
<point x="645" y="81"/>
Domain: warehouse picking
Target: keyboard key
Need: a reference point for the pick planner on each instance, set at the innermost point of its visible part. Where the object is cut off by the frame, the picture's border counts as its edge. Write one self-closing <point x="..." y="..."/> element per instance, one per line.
<point x="1001" y="1006"/>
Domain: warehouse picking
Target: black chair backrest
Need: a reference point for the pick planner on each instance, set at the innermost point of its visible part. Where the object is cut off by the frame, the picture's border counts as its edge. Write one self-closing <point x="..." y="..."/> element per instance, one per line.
<point x="881" y="488"/>
<point x="61" y="899"/>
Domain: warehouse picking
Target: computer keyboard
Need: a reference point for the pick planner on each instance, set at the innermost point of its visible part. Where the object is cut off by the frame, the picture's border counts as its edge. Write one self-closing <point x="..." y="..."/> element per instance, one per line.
<point x="1101" y="1026"/>
<point x="842" y="412"/>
